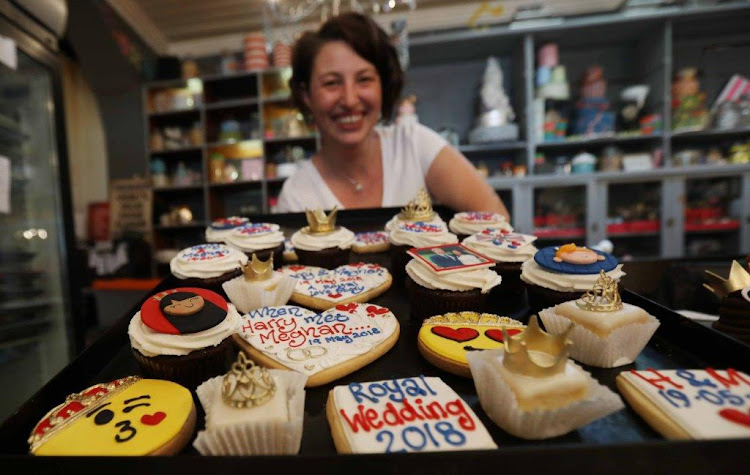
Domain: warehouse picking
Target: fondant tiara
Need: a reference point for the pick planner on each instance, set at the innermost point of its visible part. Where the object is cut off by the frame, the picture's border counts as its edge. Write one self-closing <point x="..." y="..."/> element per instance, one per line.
<point x="534" y="352"/>
<point x="419" y="208"/>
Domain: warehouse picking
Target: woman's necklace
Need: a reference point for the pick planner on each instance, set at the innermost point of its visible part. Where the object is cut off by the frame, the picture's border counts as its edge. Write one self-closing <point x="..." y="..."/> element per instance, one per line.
<point x="357" y="185"/>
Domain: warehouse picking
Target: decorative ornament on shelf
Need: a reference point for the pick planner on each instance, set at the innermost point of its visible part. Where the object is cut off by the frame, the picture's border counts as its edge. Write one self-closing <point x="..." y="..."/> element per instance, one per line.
<point x="536" y="353"/>
<point x="603" y="297"/>
<point x="256" y="270"/>
<point x="247" y="385"/>
<point x="592" y="109"/>
<point x="688" y="102"/>
<point x="320" y="223"/>
<point x="419" y="208"/>
<point x="494" y="123"/>
<point x="739" y="278"/>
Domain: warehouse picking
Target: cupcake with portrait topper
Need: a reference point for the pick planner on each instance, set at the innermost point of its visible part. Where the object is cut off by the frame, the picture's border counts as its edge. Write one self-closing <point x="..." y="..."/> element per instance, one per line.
<point x="259" y="286"/>
<point x="418" y="209"/>
<point x="466" y="223"/>
<point x="560" y="274"/>
<point x="263" y="239"/>
<point x="448" y="278"/>
<point x="607" y="332"/>
<point x="509" y="250"/>
<point x="184" y="335"/>
<point x="207" y="264"/>
<point x="252" y="411"/>
<point x="219" y="229"/>
<point x="321" y="243"/>
<point x="531" y="389"/>
<point x="734" y="294"/>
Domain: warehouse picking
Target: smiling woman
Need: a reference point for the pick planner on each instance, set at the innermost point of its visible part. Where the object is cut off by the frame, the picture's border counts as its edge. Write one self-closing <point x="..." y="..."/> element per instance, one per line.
<point x="347" y="78"/>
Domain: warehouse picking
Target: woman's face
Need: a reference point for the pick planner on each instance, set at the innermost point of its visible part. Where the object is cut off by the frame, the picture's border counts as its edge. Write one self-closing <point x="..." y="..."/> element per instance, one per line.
<point x="344" y="94"/>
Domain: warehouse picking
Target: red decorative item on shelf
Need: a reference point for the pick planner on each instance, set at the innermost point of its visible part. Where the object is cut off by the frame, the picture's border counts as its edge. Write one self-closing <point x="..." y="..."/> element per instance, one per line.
<point x="98" y="221"/>
<point x="282" y="55"/>
<point x="256" y="56"/>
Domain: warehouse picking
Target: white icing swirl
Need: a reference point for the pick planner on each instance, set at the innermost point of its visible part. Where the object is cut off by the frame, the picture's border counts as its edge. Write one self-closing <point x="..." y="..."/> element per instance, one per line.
<point x="341" y="238"/>
<point x="459" y="226"/>
<point x="221" y="259"/>
<point x="483" y="279"/>
<point x="152" y="343"/>
<point x="500" y="253"/>
<point x="246" y="241"/>
<point x="533" y="273"/>
<point x="405" y="235"/>
<point x="396" y="220"/>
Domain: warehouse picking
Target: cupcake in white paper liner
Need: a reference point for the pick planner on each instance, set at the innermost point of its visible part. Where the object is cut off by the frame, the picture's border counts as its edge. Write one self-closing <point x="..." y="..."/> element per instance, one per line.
<point x="607" y="332"/>
<point x="252" y="411"/>
<point x="259" y="286"/>
<point x="533" y="391"/>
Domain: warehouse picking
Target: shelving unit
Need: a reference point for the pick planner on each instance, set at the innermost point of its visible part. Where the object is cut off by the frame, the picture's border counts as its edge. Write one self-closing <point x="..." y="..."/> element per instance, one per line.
<point x="445" y="73"/>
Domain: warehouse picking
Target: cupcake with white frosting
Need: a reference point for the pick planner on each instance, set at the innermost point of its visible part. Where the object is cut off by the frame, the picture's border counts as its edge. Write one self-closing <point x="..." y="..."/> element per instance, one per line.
<point x="418" y="209"/>
<point x="433" y="291"/>
<point x="560" y="274"/>
<point x="419" y="234"/>
<point x="183" y="335"/>
<point x="321" y="243"/>
<point x="219" y="229"/>
<point x="261" y="239"/>
<point x="466" y="223"/>
<point x="207" y="264"/>
<point x="509" y="250"/>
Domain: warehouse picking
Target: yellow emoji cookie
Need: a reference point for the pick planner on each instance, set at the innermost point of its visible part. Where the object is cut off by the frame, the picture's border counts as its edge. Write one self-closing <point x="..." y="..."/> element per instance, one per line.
<point x="129" y="416"/>
<point x="444" y="340"/>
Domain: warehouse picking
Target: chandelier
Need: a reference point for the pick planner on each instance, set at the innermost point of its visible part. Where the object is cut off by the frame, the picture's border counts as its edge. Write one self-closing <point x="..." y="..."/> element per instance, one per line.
<point x="285" y="12"/>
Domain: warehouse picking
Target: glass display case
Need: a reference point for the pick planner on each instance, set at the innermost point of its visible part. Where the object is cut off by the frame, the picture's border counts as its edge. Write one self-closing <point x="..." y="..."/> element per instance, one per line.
<point x="633" y="219"/>
<point x="713" y="207"/>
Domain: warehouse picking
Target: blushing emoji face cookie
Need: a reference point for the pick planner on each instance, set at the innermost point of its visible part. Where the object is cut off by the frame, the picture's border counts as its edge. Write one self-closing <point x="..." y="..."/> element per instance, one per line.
<point x="444" y="340"/>
<point x="130" y="416"/>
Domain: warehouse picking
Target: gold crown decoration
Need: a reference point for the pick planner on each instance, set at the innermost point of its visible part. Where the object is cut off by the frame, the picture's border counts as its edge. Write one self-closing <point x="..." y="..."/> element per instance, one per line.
<point x="256" y="270"/>
<point x="320" y="223"/>
<point x="247" y="385"/>
<point x="739" y="278"/>
<point x="74" y="408"/>
<point x="536" y="353"/>
<point x="603" y="297"/>
<point x="419" y="208"/>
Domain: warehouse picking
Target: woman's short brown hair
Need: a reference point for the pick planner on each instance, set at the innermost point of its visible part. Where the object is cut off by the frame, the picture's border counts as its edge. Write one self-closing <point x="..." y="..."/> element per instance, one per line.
<point x="366" y="38"/>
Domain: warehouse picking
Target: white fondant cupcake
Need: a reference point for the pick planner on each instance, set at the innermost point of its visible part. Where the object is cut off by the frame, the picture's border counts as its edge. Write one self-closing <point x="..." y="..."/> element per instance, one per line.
<point x="219" y="229"/>
<point x="471" y="222"/>
<point x="259" y="286"/>
<point x="509" y="250"/>
<point x="207" y="264"/>
<point x="262" y="239"/>
<point x="252" y="411"/>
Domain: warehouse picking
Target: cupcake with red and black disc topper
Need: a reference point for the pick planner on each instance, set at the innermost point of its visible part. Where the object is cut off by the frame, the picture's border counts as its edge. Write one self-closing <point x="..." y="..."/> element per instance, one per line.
<point x="219" y="229"/>
<point x="261" y="239"/>
<point x="207" y="264"/>
<point x="184" y="335"/>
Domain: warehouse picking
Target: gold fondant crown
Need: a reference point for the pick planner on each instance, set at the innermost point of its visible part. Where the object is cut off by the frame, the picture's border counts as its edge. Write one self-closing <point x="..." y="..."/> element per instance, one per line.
<point x="603" y="297"/>
<point x="247" y="385"/>
<point x="419" y="208"/>
<point x="256" y="270"/>
<point x="739" y="278"/>
<point x="74" y="407"/>
<point x="319" y="223"/>
<point x="535" y="353"/>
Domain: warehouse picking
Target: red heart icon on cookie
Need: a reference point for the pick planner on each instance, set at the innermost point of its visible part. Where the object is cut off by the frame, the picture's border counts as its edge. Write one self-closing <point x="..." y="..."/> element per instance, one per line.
<point x="736" y="416"/>
<point x="497" y="335"/>
<point x="456" y="334"/>
<point x="153" y="419"/>
<point x="334" y="296"/>
<point x="350" y="307"/>
<point x="372" y="310"/>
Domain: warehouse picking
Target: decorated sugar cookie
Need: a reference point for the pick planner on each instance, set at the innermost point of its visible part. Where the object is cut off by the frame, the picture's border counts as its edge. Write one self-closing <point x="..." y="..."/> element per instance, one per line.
<point x="375" y="241"/>
<point x="322" y="288"/>
<point x="444" y="340"/>
<point x="129" y="416"/>
<point x="690" y="403"/>
<point x="415" y="414"/>
<point x="324" y="346"/>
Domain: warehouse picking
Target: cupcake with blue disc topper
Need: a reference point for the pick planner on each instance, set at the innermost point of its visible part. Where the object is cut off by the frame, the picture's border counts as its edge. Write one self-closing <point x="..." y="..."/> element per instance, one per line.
<point x="559" y="274"/>
<point x="219" y="229"/>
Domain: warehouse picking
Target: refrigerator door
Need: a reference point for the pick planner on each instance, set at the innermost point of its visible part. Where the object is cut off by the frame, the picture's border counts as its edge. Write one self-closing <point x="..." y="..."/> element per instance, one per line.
<point x="34" y="326"/>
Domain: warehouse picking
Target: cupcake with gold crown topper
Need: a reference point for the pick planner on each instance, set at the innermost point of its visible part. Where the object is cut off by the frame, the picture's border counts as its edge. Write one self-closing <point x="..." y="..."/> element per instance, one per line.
<point x="607" y="332"/>
<point x="531" y="389"/>
<point x="259" y="286"/>
<point x="418" y="209"/>
<point x="734" y="309"/>
<point x="125" y="417"/>
<point x="252" y="411"/>
<point x="560" y="274"/>
<point x="321" y="243"/>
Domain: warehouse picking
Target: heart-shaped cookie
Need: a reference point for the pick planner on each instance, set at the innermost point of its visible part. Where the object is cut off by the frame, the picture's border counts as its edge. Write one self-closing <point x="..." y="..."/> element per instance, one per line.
<point x="324" y="346"/>
<point x="322" y="289"/>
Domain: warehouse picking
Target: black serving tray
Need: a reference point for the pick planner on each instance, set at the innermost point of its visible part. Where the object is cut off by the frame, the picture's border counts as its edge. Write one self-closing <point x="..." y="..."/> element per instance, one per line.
<point x="621" y="442"/>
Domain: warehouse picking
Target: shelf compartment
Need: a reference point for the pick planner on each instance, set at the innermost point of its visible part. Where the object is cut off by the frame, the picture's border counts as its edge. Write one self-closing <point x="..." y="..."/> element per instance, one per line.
<point x="597" y="140"/>
<point x="176" y="113"/>
<point x="721" y="226"/>
<point x="236" y="184"/>
<point x="492" y="147"/>
<point x="233" y="103"/>
<point x="302" y="138"/>
<point x="217" y="90"/>
<point x="178" y="151"/>
<point x="699" y="135"/>
<point x="177" y="189"/>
